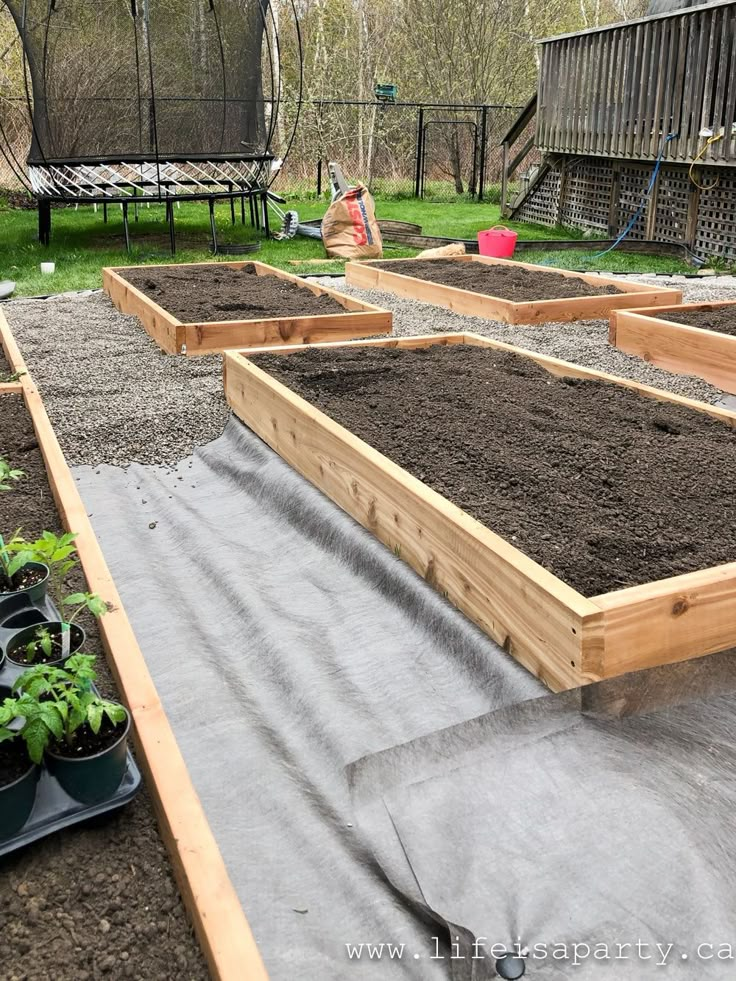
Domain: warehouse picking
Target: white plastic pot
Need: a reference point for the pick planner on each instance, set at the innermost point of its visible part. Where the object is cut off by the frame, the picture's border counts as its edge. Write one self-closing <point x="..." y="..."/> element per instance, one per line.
<point x="48" y="268"/>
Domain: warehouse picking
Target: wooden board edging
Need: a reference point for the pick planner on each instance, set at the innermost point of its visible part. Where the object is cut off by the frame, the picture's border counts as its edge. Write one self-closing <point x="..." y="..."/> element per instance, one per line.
<point x="680" y="348"/>
<point x="222" y="929"/>
<point x="369" y="275"/>
<point x="175" y="337"/>
<point x="563" y="637"/>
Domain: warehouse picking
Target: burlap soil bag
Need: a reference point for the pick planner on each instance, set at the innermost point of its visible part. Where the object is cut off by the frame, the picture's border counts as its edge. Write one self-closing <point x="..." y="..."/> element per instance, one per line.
<point x="350" y="229"/>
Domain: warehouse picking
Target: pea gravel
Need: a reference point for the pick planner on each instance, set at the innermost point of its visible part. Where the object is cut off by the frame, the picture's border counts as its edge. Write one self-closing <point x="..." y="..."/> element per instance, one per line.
<point x="585" y="342"/>
<point x="114" y="398"/>
<point x="112" y="395"/>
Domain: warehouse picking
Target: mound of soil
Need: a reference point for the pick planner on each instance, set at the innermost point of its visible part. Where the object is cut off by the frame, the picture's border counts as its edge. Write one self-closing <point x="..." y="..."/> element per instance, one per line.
<point x="97" y="900"/>
<point x="505" y="282"/>
<point x="215" y="292"/>
<point x="722" y="320"/>
<point x="603" y="487"/>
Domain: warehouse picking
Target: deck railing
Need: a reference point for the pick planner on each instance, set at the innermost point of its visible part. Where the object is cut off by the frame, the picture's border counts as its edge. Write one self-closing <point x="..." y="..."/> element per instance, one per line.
<point x="620" y="91"/>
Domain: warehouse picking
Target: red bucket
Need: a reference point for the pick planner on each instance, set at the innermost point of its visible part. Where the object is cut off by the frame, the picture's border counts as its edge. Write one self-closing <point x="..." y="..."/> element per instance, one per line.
<point x="498" y="242"/>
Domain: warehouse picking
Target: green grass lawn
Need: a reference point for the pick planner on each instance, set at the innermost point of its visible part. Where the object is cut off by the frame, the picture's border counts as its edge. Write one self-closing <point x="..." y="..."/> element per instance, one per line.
<point x="81" y="243"/>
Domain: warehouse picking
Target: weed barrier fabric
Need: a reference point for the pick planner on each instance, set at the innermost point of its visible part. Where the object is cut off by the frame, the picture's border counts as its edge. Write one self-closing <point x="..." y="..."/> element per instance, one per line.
<point x="286" y="643"/>
<point x="597" y="839"/>
<point x="376" y="771"/>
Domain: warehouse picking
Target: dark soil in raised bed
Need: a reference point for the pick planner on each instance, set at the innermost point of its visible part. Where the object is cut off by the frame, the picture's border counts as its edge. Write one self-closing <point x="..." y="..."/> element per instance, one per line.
<point x="722" y="320"/>
<point x="97" y="900"/>
<point x="603" y="487"/>
<point x="506" y="282"/>
<point x="216" y="292"/>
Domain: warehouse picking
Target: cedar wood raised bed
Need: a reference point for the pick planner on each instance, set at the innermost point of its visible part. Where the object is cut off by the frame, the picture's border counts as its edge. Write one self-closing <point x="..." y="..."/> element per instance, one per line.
<point x="174" y="337"/>
<point x="209" y="896"/>
<point x="367" y="275"/>
<point x="686" y="350"/>
<point x="561" y="636"/>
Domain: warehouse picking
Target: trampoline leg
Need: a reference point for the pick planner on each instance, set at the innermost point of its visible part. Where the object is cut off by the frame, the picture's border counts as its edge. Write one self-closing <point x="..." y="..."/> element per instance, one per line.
<point x="232" y="206"/>
<point x="104" y="212"/>
<point x="172" y="234"/>
<point x="213" y="226"/>
<point x="252" y="215"/>
<point x="126" y="227"/>
<point x="242" y="209"/>
<point x="44" y="221"/>
<point x="264" y="206"/>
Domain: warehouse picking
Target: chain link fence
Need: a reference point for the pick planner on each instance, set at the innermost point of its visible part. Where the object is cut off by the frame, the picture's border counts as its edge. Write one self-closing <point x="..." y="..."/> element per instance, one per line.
<point x="402" y="150"/>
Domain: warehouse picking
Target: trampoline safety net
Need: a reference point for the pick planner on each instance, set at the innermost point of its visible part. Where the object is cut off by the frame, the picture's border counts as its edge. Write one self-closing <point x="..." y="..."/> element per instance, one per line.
<point x="146" y="79"/>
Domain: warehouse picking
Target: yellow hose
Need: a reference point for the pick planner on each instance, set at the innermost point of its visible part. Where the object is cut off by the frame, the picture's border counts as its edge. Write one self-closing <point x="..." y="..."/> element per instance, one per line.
<point x="705" y="187"/>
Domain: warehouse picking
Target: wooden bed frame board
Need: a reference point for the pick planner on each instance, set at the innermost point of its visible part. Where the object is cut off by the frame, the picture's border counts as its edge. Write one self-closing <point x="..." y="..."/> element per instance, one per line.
<point x="680" y="348"/>
<point x="209" y="896"/>
<point x="367" y="275"/>
<point x="561" y="636"/>
<point x="174" y="337"/>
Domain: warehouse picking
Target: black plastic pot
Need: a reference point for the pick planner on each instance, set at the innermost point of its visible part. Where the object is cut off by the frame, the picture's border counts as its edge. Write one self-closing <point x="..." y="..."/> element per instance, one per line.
<point x="37" y="592"/>
<point x="19" y="640"/>
<point x="16" y="802"/>
<point x="92" y="779"/>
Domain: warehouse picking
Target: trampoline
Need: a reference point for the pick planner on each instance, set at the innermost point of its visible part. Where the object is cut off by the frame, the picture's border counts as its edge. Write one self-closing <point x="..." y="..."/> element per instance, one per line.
<point x="135" y="101"/>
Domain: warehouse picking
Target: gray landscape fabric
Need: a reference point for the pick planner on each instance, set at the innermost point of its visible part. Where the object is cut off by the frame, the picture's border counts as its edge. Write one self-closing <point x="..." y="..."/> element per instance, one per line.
<point x="376" y="771"/>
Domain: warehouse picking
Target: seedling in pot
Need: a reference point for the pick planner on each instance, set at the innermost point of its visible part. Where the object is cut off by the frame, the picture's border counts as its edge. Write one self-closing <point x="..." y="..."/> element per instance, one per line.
<point x="54" y="551"/>
<point x="82" y="735"/>
<point x="51" y="643"/>
<point x="60" y="707"/>
<point x="8" y="476"/>
<point x="17" y="568"/>
<point x="18" y="774"/>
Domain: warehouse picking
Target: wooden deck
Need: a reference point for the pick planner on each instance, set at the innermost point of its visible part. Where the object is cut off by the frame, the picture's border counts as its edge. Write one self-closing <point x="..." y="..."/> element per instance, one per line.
<point x="618" y="91"/>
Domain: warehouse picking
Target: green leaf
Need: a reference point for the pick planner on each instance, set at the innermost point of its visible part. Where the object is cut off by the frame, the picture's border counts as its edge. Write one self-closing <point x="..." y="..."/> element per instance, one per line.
<point x="36" y="737"/>
<point x="94" y="716"/>
<point x="6" y="735"/>
<point x="76" y="599"/>
<point x="115" y="713"/>
<point x="53" y="718"/>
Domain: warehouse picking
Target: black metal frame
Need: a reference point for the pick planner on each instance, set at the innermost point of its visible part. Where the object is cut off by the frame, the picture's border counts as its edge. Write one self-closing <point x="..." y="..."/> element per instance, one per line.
<point x="422" y="163"/>
<point x="257" y="201"/>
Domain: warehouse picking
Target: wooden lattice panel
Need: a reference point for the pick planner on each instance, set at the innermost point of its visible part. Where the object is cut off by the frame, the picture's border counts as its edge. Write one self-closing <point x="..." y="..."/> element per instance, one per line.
<point x="716" y="228"/>
<point x="542" y="204"/>
<point x="633" y="182"/>
<point x="587" y="193"/>
<point x="673" y="198"/>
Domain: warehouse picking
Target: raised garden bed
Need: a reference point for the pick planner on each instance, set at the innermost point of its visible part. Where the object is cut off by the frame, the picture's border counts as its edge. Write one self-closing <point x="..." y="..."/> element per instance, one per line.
<point x="690" y="339"/>
<point x="592" y="626"/>
<point x="206" y="890"/>
<point x="527" y="294"/>
<point x="202" y="308"/>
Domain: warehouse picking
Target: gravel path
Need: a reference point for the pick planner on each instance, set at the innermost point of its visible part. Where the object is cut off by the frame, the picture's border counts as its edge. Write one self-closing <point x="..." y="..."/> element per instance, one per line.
<point x="114" y="398"/>
<point x="584" y="342"/>
<point x="112" y="395"/>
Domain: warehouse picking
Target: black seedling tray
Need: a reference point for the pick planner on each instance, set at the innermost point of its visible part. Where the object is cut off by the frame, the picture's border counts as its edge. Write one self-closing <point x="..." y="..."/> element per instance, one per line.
<point x="54" y="809"/>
